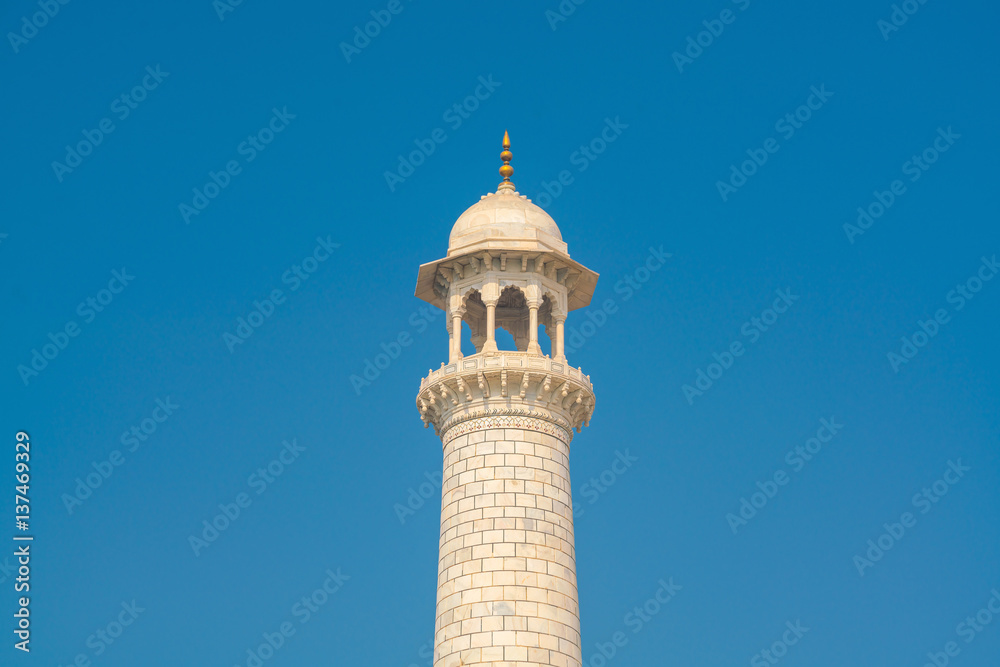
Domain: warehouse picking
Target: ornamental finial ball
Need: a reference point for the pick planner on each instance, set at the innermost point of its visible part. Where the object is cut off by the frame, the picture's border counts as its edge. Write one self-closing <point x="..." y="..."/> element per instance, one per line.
<point x="506" y="170"/>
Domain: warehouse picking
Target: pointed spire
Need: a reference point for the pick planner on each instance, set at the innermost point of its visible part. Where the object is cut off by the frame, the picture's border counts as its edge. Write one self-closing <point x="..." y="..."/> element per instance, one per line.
<point x="506" y="170"/>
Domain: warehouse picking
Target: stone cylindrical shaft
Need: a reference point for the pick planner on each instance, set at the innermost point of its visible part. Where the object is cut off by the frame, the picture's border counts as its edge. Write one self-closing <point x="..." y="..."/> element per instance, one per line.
<point x="507" y="570"/>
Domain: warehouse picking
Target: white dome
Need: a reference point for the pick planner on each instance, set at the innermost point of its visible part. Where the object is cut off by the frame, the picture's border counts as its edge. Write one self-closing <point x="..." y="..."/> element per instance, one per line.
<point x="503" y="216"/>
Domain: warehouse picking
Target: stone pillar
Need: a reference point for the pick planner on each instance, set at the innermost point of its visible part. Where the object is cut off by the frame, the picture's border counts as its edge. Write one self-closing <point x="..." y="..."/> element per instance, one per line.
<point x="456" y="328"/>
<point x="451" y="340"/>
<point x="533" y="346"/>
<point x="491" y="296"/>
<point x="491" y="328"/>
<point x="560" y="348"/>
<point x="507" y="571"/>
<point x="453" y="322"/>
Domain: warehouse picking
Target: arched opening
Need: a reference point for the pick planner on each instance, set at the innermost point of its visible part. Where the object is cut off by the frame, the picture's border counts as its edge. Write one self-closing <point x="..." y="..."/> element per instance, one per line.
<point x="512" y="316"/>
<point x="473" y="323"/>
<point x="468" y="346"/>
<point x="548" y="325"/>
<point x="512" y="319"/>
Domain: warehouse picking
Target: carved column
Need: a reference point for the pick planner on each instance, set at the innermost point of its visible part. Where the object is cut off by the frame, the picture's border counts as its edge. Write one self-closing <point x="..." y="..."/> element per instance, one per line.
<point x="559" y="352"/>
<point x="454" y="323"/>
<point x="456" y="326"/>
<point x="533" y="297"/>
<point x="491" y="296"/>
<point x="451" y="337"/>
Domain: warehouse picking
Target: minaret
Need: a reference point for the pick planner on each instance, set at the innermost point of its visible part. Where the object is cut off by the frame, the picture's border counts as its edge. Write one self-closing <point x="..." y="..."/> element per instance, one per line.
<point x="507" y="570"/>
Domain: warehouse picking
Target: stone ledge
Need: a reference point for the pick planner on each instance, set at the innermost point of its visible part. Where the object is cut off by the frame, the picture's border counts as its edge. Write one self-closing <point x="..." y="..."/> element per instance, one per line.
<point x="506" y="383"/>
<point x="509" y="361"/>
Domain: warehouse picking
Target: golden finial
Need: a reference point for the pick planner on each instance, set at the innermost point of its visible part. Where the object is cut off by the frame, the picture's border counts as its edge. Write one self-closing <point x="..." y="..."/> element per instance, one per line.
<point x="506" y="170"/>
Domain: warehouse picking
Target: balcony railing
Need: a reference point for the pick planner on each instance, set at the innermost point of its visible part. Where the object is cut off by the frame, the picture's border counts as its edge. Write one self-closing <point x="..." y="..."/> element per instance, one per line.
<point x="515" y="361"/>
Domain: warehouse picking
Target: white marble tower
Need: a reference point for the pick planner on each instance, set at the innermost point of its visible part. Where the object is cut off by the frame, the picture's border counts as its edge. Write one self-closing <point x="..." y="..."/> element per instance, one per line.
<point x="507" y="591"/>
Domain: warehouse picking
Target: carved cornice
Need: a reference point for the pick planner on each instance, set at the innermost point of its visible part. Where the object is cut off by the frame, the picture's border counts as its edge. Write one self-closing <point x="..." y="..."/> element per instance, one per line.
<point x="515" y="418"/>
<point x="438" y="281"/>
<point x="506" y="383"/>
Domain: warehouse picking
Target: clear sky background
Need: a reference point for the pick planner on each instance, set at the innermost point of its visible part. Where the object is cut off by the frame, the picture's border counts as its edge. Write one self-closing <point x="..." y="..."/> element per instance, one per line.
<point x="554" y="84"/>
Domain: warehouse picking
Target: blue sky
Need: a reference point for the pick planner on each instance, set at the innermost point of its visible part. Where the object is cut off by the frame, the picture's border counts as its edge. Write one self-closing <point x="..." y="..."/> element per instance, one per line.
<point x="245" y="170"/>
